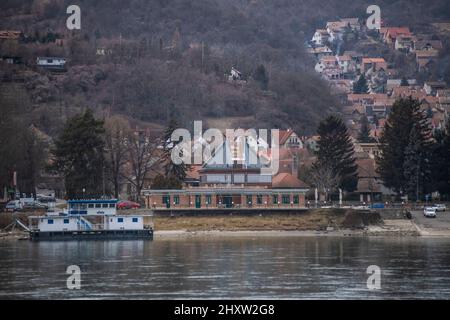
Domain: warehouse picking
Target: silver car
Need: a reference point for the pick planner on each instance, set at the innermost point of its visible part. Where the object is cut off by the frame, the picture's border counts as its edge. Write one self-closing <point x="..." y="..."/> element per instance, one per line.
<point x="440" y="207"/>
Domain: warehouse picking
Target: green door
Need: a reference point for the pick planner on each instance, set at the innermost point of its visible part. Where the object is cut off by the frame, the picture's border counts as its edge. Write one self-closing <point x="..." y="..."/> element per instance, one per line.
<point x="198" y="201"/>
<point x="166" y="200"/>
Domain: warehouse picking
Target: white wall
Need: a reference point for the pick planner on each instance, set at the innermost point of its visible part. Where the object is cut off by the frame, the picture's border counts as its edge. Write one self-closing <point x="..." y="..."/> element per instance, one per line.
<point x="58" y="224"/>
<point x="112" y="223"/>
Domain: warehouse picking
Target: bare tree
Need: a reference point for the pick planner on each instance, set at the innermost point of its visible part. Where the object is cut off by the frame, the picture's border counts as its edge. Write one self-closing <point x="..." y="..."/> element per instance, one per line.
<point x="143" y="157"/>
<point x="323" y="178"/>
<point x="117" y="130"/>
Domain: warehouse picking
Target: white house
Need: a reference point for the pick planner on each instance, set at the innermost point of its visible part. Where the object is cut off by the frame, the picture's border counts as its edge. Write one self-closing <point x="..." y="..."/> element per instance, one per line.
<point x="346" y="64"/>
<point x="51" y="63"/>
<point x="320" y="37"/>
<point x="235" y="75"/>
<point x="324" y="63"/>
<point x="320" y="52"/>
<point x="336" y="30"/>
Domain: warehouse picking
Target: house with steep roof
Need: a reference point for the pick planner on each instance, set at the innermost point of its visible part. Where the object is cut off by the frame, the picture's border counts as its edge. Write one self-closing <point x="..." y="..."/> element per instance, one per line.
<point x="391" y="34"/>
<point x="424" y="58"/>
<point x="404" y="43"/>
<point x="431" y="88"/>
<point x="373" y="63"/>
<point x="320" y="37"/>
<point x="11" y="35"/>
<point x="426" y="45"/>
<point x="289" y="139"/>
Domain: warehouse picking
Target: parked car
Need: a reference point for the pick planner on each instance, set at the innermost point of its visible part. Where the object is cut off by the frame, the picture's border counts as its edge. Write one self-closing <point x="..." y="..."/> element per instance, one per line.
<point x="429" y="212"/>
<point x="124" y="204"/>
<point x="36" y="205"/>
<point x="14" y="205"/>
<point x="440" y="207"/>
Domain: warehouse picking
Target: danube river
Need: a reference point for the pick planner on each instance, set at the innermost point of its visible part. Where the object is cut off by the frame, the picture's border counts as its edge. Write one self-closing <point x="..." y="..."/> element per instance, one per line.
<point x="228" y="268"/>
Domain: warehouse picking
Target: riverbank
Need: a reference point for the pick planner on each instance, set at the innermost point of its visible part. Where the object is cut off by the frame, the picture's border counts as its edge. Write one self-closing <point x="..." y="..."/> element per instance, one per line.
<point x="319" y="222"/>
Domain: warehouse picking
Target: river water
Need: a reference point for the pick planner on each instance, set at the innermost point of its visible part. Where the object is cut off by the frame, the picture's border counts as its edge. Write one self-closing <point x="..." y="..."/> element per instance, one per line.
<point x="228" y="268"/>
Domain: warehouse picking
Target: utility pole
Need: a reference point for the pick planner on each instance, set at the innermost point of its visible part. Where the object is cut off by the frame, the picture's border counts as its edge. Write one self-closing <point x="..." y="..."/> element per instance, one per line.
<point x="203" y="54"/>
<point x="417" y="180"/>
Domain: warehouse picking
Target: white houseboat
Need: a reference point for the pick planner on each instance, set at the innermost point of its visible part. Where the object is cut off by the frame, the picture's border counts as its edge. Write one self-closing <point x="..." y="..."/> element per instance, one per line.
<point x="90" y="220"/>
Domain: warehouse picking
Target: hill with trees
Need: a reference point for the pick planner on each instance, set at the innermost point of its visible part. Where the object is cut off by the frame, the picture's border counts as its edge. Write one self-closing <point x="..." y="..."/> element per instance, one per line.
<point x="150" y="60"/>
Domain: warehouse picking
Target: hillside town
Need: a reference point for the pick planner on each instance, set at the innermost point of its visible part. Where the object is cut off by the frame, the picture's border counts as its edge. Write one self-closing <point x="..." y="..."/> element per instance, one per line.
<point x="366" y="84"/>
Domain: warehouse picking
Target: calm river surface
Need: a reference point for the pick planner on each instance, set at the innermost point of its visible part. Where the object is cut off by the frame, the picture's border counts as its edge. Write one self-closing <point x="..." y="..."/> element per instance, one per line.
<point x="234" y="268"/>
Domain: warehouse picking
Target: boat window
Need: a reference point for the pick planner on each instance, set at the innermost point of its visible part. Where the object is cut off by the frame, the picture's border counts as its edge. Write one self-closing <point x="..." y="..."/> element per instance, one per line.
<point x="120" y="220"/>
<point x="105" y="205"/>
<point x="98" y="205"/>
<point x="91" y="205"/>
<point x="50" y="221"/>
<point x="135" y="220"/>
<point x="66" y="221"/>
<point x="112" y="205"/>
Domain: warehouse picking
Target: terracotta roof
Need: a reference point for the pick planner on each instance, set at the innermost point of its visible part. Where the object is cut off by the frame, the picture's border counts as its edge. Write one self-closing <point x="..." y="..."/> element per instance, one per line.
<point x="284" y="135"/>
<point x="373" y="60"/>
<point x="344" y="58"/>
<point x="396" y="31"/>
<point x="426" y="53"/>
<point x="10" y="34"/>
<point x="287" y="180"/>
<point x="328" y="59"/>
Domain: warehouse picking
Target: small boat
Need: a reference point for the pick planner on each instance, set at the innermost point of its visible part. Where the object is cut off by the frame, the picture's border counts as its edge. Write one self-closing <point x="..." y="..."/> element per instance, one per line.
<point x="90" y="220"/>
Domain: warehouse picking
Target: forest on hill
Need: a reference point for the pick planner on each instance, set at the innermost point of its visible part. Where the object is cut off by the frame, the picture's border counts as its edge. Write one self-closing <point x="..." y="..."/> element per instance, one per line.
<point x="161" y="59"/>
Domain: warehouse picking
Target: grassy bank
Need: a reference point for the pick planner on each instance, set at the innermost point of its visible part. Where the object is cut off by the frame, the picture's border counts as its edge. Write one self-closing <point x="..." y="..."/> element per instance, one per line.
<point x="312" y="220"/>
<point x="309" y="220"/>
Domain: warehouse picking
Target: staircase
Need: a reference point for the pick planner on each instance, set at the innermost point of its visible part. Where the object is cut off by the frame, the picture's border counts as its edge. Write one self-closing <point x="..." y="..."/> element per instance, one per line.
<point x="84" y="224"/>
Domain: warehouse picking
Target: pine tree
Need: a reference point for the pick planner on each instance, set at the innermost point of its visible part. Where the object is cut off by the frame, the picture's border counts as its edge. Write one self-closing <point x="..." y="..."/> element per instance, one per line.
<point x="396" y="137"/>
<point x="440" y="162"/>
<point x="364" y="133"/>
<point x="79" y="156"/>
<point x="261" y="77"/>
<point x="412" y="164"/>
<point x="361" y="85"/>
<point x="336" y="151"/>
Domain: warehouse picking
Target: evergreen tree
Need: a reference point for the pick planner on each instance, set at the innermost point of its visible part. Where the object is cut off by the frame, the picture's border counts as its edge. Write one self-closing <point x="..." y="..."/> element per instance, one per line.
<point x="171" y="169"/>
<point x="79" y="156"/>
<point x="396" y="137"/>
<point x="260" y="76"/>
<point x="361" y="85"/>
<point x="364" y="133"/>
<point x="441" y="161"/>
<point x="415" y="165"/>
<point x="336" y="151"/>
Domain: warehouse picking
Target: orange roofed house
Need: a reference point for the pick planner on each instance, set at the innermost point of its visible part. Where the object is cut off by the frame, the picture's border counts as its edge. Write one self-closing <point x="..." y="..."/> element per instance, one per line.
<point x="232" y="179"/>
<point x="392" y="33"/>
